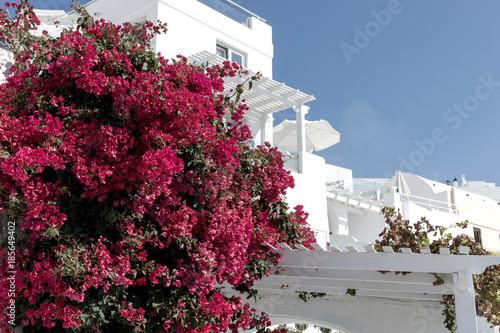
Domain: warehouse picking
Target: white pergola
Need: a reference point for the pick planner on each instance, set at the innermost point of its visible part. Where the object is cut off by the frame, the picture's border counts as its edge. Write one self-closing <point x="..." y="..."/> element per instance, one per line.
<point x="394" y="292"/>
<point x="266" y="97"/>
<point x="353" y="202"/>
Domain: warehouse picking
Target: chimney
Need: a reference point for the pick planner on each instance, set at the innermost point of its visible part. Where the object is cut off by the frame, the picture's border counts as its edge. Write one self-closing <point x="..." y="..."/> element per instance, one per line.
<point x="463" y="181"/>
<point x="455" y="183"/>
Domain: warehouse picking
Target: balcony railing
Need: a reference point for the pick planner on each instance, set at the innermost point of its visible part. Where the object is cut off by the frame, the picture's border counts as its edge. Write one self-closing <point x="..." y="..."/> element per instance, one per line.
<point x="290" y="160"/>
<point x="430" y="204"/>
<point x="232" y="10"/>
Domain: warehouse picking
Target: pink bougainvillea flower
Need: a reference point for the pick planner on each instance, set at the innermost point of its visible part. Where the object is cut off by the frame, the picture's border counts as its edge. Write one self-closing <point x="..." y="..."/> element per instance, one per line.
<point x="134" y="184"/>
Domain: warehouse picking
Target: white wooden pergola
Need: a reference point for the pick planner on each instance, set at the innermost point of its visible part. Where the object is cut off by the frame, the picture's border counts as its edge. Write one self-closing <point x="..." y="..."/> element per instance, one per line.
<point x="266" y="97"/>
<point x="394" y="292"/>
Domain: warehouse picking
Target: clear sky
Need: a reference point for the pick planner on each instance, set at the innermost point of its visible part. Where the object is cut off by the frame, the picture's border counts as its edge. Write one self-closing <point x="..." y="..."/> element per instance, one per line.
<point x="387" y="82"/>
<point x="410" y="84"/>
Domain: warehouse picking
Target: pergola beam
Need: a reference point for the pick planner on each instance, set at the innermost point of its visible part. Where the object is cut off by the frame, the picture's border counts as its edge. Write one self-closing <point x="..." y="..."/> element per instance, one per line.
<point x="276" y="92"/>
<point x="363" y="275"/>
<point x="387" y="261"/>
<point x="311" y="284"/>
<point x="288" y="101"/>
<point x="334" y="291"/>
<point x="357" y="205"/>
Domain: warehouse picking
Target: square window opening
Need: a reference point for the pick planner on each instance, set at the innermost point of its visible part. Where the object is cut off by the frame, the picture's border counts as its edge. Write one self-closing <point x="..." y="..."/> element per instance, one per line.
<point x="231" y="54"/>
<point x="221" y="51"/>
<point x="237" y="58"/>
<point x="477" y="235"/>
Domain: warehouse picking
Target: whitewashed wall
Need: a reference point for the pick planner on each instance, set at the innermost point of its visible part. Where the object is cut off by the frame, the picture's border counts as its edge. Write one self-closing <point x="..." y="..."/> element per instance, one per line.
<point x="366" y="228"/>
<point x="194" y="27"/>
<point x="481" y="212"/>
<point x="6" y="62"/>
<point x="310" y="192"/>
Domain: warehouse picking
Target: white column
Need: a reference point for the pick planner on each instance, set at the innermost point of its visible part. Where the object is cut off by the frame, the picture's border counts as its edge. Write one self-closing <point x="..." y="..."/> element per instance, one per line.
<point x="266" y="133"/>
<point x="338" y="220"/>
<point x="300" y="113"/>
<point x="465" y="305"/>
<point x="393" y="199"/>
<point x="342" y="215"/>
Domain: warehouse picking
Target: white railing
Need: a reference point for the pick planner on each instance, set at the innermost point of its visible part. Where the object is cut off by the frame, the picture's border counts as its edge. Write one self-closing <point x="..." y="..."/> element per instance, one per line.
<point x="363" y="189"/>
<point x="246" y="11"/>
<point x="290" y="160"/>
<point x="339" y="184"/>
<point x="366" y="186"/>
<point x="430" y="204"/>
<point x="321" y="236"/>
<point x="232" y="10"/>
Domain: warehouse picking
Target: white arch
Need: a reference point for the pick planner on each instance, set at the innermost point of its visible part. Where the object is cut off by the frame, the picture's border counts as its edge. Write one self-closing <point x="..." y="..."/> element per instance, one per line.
<point x="291" y="321"/>
<point x="311" y="320"/>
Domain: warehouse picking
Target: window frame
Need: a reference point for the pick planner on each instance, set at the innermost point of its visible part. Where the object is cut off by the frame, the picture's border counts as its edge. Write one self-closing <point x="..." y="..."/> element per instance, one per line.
<point x="477" y="235"/>
<point x="230" y="51"/>
<point x="221" y="48"/>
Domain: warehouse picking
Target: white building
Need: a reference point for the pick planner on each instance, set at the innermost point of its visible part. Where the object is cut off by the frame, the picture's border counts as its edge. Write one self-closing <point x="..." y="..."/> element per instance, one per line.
<point x="441" y="204"/>
<point x="6" y="62"/>
<point x="343" y="210"/>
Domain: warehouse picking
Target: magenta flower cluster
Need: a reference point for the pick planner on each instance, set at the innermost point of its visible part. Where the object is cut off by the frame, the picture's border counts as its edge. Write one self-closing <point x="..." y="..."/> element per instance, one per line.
<point x="135" y="186"/>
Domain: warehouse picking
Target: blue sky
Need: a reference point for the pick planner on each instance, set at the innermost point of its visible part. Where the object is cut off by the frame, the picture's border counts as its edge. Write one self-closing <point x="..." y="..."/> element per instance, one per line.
<point x="391" y="93"/>
<point x="410" y="84"/>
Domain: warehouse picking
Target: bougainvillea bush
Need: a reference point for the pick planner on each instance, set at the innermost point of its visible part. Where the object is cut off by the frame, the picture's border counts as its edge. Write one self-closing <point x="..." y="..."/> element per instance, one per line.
<point x="133" y="185"/>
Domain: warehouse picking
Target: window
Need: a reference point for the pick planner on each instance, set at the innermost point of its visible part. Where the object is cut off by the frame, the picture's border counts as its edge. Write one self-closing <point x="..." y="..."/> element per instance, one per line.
<point x="237" y="58"/>
<point x="231" y="55"/>
<point x="477" y="235"/>
<point x="222" y="51"/>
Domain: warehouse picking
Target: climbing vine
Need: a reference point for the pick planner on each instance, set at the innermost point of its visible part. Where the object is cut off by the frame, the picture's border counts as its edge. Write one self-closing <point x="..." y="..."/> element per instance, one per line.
<point x="400" y="233"/>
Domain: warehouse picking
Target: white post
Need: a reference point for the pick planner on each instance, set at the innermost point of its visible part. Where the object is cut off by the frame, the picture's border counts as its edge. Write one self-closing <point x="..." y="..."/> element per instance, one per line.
<point x="393" y="199"/>
<point x="465" y="305"/>
<point x="300" y="113"/>
<point x="343" y="218"/>
<point x="266" y="133"/>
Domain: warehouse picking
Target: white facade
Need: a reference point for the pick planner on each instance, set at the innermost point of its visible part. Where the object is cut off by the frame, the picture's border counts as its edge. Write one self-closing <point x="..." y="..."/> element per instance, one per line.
<point x="442" y="205"/>
<point x="6" y="62"/>
<point x="194" y="27"/>
<point x="489" y="190"/>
